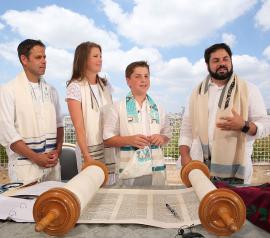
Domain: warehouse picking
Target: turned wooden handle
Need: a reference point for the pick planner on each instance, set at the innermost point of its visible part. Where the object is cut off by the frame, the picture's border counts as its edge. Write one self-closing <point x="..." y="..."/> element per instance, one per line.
<point x="56" y="211"/>
<point x="225" y="215"/>
<point x="45" y="221"/>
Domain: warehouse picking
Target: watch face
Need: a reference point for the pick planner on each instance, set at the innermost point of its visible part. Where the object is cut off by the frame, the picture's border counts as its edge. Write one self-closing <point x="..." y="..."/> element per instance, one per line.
<point x="246" y="127"/>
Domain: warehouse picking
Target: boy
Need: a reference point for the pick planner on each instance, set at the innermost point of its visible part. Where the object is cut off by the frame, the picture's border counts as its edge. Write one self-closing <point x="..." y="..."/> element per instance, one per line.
<point x="138" y="127"/>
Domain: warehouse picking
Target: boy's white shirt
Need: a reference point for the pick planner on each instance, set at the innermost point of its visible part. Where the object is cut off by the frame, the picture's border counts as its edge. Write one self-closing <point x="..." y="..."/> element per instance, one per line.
<point x="111" y="118"/>
<point x="112" y="122"/>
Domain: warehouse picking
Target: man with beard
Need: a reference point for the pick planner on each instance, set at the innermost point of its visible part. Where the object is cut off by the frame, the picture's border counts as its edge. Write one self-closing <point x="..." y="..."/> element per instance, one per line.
<point x="224" y="117"/>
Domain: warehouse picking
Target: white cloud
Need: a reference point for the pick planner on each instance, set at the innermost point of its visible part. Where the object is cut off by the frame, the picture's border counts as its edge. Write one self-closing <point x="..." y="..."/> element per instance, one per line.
<point x="174" y="22"/>
<point x="177" y="73"/>
<point x="173" y="80"/>
<point x="115" y="63"/>
<point x="8" y="51"/>
<point x="229" y="39"/>
<point x="59" y="27"/>
<point x="262" y="17"/>
<point x="266" y="52"/>
<point x="251" y="68"/>
<point x="255" y="71"/>
<point x="1" y="26"/>
<point x="59" y="61"/>
<point x="183" y="76"/>
<point x="59" y="65"/>
<point x="117" y="60"/>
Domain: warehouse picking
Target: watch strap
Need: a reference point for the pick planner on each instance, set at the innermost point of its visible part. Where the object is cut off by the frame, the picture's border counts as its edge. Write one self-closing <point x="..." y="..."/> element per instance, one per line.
<point x="246" y="127"/>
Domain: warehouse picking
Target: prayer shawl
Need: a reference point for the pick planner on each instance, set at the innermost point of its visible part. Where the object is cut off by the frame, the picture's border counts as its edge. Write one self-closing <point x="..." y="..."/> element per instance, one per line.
<point x="228" y="149"/>
<point x="92" y="117"/>
<point x="131" y="125"/>
<point x="40" y="137"/>
<point x="37" y="126"/>
<point x="257" y="201"/>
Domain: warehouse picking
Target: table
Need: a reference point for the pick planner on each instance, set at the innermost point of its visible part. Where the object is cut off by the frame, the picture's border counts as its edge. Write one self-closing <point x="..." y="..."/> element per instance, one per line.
<point x="22" y="230"/>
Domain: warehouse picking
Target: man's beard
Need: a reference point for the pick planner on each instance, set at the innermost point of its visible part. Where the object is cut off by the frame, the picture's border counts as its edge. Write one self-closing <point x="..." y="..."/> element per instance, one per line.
<point x="220" y="76"/>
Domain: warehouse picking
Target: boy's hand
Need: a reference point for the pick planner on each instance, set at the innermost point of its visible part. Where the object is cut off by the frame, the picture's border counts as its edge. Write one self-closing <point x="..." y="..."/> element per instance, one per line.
<point x="157" y="139"/>
<point x="139" y="141"/>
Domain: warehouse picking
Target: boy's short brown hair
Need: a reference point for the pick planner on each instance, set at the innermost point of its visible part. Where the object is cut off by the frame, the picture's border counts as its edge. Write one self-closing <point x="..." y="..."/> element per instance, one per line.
<point x="130" y="68"/>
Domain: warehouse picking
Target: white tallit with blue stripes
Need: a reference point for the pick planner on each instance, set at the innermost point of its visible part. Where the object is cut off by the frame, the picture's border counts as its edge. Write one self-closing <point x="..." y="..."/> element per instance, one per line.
<point x="228" y="149"/>
<point x="40" y="137"/>
<point x="37" y="126"/>
<point x="130" y="125"/>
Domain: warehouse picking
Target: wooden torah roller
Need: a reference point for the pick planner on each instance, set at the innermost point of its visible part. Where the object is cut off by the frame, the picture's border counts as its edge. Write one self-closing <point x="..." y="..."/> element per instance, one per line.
<point x="221" y="211"/>
<point x="57" y="210"/>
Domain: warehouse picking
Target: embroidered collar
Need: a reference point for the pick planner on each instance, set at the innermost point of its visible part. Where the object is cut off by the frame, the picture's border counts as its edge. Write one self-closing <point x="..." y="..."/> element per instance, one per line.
<point x="132" y="111"/>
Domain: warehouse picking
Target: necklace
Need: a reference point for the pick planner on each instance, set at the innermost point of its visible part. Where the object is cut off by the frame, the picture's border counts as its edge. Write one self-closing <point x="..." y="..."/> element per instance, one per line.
<point x="93" y="95"/>
<point x="34" y="93"/>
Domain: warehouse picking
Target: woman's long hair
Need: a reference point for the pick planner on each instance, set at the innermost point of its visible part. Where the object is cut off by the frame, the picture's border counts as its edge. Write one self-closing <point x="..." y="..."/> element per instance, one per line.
<point x="80" y="62"/>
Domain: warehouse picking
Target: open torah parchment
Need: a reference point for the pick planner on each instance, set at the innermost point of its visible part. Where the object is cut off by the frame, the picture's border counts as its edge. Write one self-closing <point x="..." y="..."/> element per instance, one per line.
<point x="141" y="206"/>
<point x="121" y="206"/>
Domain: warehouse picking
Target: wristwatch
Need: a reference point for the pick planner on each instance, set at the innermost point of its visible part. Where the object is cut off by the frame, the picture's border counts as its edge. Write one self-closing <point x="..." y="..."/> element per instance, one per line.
<point x="246" y="127"/>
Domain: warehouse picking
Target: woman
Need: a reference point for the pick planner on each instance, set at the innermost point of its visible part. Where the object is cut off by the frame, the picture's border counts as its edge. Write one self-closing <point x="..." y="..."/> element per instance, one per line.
<point x="87" y="93"/>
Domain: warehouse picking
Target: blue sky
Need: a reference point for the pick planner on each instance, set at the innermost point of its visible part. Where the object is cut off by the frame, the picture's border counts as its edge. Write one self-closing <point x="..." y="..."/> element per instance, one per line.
<point x="171" y="35"/>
